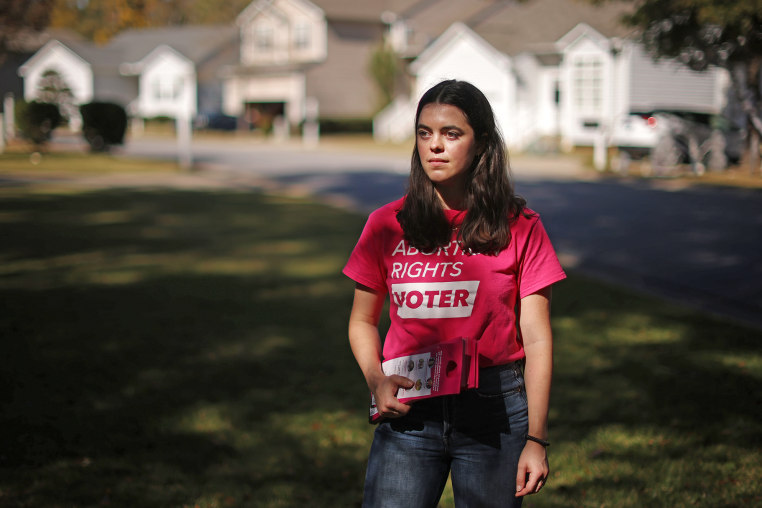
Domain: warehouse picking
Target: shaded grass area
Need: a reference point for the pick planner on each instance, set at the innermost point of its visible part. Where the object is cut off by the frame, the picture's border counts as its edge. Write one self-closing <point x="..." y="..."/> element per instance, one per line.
<point x="188" y="348"/>
<point x="177" y="348"/>
<point x="652" y="405"/>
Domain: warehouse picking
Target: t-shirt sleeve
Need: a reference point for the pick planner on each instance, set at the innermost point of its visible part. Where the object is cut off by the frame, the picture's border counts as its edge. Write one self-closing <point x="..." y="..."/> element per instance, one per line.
<point x="366" y="264"/>
<point x="539" y="265"/>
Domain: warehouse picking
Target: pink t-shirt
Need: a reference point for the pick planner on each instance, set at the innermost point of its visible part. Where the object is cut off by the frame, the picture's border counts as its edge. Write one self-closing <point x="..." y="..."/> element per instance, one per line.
<point x="446" y="294"/>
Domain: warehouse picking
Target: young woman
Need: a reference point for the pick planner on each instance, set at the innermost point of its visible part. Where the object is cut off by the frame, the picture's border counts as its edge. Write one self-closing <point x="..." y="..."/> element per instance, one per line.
<point x="459" y="256"/>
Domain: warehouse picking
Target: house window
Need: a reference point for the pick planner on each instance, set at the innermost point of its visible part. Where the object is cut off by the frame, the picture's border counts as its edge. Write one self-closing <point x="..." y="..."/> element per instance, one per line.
<point x="167" y="88"/>
<point x="588" y="81"/>
<point x="263" y="37"/>
<point x="302" y="36"/>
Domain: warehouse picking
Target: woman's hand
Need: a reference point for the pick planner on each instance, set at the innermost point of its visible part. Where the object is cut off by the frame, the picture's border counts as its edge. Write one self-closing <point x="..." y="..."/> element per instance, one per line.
<point x="366" y="346"/>
<point x="533" y="469"/>
<point x="384" y="389"/>
<point x="534" y="322"/>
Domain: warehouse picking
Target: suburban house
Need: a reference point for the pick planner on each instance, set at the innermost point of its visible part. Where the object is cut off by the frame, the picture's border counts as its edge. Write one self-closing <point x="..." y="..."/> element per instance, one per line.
<point x="140" y="70"/>
<point x="288" y="60"/>
<point x="302" y="59"/>
<point x="558" y="71"/>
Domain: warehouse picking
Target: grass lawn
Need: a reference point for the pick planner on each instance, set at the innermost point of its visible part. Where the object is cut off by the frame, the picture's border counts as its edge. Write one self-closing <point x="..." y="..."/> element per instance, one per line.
<point x="20" y="161"/>
<point x="188" y="348"/>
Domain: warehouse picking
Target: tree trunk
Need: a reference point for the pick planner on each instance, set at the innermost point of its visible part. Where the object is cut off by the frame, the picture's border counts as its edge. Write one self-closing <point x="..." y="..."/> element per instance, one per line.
<point x="745" y="79"/>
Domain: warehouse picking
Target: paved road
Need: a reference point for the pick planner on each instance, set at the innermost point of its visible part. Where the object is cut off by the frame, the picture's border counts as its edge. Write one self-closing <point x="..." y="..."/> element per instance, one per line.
<point x="697" y="245"/>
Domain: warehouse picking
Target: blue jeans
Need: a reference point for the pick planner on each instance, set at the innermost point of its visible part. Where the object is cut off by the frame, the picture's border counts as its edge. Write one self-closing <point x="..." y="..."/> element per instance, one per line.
<point x="478" y="435"/>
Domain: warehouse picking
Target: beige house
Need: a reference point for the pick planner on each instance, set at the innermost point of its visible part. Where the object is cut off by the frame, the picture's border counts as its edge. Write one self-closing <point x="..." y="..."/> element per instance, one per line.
<point x="303" y="58"/>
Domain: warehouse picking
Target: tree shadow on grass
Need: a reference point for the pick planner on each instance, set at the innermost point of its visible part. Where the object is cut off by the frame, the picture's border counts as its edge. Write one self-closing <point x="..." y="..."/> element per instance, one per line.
<point x="172" y="348"/>
<point x="653" y="405"/>
<point x="189" y="348"/>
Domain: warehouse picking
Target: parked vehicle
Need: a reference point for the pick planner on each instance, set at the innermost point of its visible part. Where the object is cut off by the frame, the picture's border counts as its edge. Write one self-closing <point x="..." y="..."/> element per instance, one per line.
<point x="673" y="138"/>
<point x="216" y="121"/>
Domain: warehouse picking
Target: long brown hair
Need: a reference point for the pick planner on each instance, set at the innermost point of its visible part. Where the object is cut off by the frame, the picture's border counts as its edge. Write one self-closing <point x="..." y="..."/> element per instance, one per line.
<point x="491" y="204"/>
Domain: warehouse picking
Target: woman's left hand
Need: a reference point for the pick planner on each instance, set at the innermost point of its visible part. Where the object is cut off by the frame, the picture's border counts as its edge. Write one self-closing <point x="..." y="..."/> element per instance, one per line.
<point x="533" y="469"/>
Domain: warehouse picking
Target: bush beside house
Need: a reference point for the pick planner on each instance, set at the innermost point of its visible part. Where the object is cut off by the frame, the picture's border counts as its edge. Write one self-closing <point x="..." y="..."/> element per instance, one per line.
<point x="37" y="120"/>
<point x="103" y="125"/>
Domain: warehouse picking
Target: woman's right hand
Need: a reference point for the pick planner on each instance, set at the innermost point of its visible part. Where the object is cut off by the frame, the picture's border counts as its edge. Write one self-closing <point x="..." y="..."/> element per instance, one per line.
<point x="366" y="346"/>
<point x="385" y="391"/>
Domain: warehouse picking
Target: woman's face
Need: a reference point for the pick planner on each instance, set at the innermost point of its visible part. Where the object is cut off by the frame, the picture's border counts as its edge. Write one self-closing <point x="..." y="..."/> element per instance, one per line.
<point x="446" y="145"/>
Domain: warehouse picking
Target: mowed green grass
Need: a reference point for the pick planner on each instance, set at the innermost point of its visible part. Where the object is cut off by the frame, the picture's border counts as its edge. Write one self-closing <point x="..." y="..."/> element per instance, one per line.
<point x="19" y="161"/>
<point x="188" y="348"/>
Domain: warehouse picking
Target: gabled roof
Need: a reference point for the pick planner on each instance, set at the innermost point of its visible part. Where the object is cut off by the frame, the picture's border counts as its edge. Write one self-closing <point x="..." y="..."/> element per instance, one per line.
<point x="362" y="10"/>
<point x="196" y="43"/>
<point x="135" y="68"/>
<point x="455" y="32"/>
<point x="254" y="8"/>
<point x="429" y="18"/>
<point x="511" y="26"/>
<point x="536" y="25"/>
<point x="86" y="52"/>
<point x="258" y="6"/>
<point x="583" y="30"/>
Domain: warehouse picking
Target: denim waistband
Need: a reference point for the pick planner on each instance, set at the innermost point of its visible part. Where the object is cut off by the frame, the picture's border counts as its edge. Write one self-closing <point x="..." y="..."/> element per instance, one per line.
<point x="499" y="368"/>
<point x="495" y="373"/>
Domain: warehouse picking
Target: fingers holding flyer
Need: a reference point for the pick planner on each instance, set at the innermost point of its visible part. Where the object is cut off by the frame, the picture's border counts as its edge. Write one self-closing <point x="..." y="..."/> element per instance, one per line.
<point x="443" y="369"/>
<point x="385" y="396"/>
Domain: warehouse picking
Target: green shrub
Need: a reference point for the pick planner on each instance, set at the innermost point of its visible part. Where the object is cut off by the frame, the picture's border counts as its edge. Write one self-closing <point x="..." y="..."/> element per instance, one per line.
<point x="103" y="124"/>
<point x="37" y="120"/>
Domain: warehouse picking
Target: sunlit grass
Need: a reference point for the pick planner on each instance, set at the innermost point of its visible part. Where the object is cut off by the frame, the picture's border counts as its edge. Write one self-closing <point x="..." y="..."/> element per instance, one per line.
<point x="188" y="348"/>
<point x="61" y="164"/>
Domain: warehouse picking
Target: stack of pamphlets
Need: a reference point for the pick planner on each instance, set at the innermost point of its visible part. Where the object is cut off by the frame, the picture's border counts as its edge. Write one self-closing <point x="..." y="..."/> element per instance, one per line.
<point x="442" y="369"/>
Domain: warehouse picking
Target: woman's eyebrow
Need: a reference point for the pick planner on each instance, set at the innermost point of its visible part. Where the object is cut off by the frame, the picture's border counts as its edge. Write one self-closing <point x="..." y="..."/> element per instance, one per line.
<point x="445" y="128"/>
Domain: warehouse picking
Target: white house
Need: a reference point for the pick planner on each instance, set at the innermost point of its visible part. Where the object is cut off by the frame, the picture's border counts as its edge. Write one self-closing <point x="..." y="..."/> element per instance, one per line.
<point x="166" y="84"/>
<point x="171" y="72"/>
<point x="610" y="82"/>
<point x="559" y="70"/>
<point x="462" y="54"/>
<point x="459" y="53"/>
<point x="72" y="68"/>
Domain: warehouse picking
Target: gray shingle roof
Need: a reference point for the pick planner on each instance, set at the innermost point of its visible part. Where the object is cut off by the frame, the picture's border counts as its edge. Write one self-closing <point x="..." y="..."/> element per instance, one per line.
<point x="511" y="26"/>
<point x="537" y="24"/>
<point x="195" y="42"/>
<point x="430" y="18"/>
<point x="361" y="10"/>
<point x="426" y="13"/>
